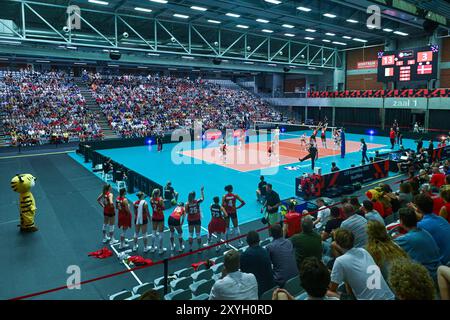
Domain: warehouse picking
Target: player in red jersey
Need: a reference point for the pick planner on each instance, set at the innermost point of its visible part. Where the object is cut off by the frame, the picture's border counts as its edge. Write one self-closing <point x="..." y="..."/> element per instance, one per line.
<point x="194" y="217"/>
<point x="157" y="204"/>
<point x="218" y="223"/>
<point x="124" y="216"/>
<point x="323" y="136"/>
<point x="229" y="203"/>
<point x="176" y="220"/>
<point x="292" y="221"/>
<point x="106" y="201"/>
<point x="142" y="216"/>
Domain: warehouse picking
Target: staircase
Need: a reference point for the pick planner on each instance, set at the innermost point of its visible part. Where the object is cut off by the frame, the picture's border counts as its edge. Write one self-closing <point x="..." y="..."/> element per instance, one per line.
<point x="93" y="106"/>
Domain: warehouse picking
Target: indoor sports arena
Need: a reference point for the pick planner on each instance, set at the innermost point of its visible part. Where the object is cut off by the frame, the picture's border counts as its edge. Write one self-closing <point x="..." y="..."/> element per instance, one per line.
<point x="225" y="150"/>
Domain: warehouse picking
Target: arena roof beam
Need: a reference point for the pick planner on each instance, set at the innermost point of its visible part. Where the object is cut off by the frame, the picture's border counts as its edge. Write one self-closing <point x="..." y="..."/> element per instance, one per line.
<point x="135" y="32"/>
<point x="45" y="21"/>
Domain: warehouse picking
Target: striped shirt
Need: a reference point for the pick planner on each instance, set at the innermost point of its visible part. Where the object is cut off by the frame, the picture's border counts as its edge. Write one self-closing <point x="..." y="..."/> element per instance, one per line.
<point x="357" y="225"/>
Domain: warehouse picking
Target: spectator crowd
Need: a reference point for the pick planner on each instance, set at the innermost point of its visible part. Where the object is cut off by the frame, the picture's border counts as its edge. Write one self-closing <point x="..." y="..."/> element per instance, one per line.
<point x="138" y="106"/>
<point x="46" y="107"/>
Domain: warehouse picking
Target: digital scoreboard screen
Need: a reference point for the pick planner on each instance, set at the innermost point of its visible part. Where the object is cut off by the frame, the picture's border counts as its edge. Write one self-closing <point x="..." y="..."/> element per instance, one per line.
<point x="408" y="65"/>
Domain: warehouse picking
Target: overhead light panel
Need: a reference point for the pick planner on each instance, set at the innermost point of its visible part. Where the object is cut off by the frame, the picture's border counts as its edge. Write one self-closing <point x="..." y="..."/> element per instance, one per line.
<point x="103" y="3"/>
<point x="330" y="34"/>
<point x="43" y="61"/>
<point x="241" y="26"/>
<point x="326" y="40"/>
<point x="310" y="30"/>
<point x="289" y="26"/>
<point x="143" y="9"/>
<point x="346" y="37"/>
<point x="273" y="1"/>
<point x="267" y="31"/>
<point x="188" y="57"/>
<point x="198" y="8"/>
<point x="304" y="9"/>
<point x="159" y="1"/>
<point x="352" y="21"/>
<point x="329" y="15"/>
<point x="262" y="20"/>
<point x="401" y="33"/>
<point x="233" y="15"/>
<point x="214" y="21"/>
<point x="339" y="43"/>
<point x="359" y="40"/>
<point x="181" y="16"/>
<point x="309" y="38"/>
<point x="289" y="35"/>
<point x="387" y="30"/>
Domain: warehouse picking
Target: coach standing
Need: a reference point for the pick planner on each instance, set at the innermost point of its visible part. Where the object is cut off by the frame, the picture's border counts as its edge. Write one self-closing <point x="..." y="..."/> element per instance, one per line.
<point x="342" y="143"/>
<point x="364" y="152"/>
<point x="392" y="136"/>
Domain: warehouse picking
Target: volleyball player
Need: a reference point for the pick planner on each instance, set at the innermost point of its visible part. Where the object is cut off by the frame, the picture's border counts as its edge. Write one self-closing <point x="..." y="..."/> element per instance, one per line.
<point x="176" y="220"/>
<point x="223" y="150"/>
<point x="106" y="201"/>
<point x="194" y="217"/>
<point x="218" y="224"/>
<point x="303" y="141"/>
<point x="323" y="136"/>
<point x="123" y="208"/>
<point x="142" y="215"/>
<point x="229" y="203"/>
<point x="157" y="204"/>
<point x="312" y="154"/>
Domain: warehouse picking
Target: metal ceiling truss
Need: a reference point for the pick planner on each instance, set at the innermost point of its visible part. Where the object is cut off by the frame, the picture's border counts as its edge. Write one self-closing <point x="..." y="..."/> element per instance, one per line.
<point x="169" y="37"/>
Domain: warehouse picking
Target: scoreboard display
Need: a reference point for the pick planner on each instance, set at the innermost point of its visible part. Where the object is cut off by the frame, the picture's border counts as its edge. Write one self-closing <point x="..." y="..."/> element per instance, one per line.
<point x="408" y="65"/>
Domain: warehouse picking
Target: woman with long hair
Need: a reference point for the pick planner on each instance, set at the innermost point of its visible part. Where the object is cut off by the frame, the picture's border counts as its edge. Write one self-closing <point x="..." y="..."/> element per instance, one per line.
<point x="176" y="220"/>
<point x="229" y="203"/>
<point x="124" y="216"/>
<point x="142" y="215"/>
<point x="217" y="225"/>
<point x="382" y="248"/>
<point x="157" y="204"/>
<point x="106" y="201"/>
<point x="194" y="217"/>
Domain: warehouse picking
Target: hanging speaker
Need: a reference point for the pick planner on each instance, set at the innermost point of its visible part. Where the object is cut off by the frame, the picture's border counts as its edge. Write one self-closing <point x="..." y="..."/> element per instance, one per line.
<point x="286" y="69"/>
<point x="115" y="55"/>
<point x="216" y="61"/>
<point x="430" y="26"/>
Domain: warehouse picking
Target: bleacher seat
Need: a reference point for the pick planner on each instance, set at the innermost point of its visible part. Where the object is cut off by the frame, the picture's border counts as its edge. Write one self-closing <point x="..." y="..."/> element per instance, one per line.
<point x="122" y="295"/>
<point x="201" y="267"/>
<point x="160" y="290"/>
<point x="179" y="295"/>
<point x="204" y="296"/>
<point x="140" y="289"/>
<point x="242" y="250"/>
<point x="202" y="274"/>
<point x="217" y="276"/>
<point x="217" y="268"/>
<point x="134" y="297"/>
<point x="121" y="184"/>
<point x="181" y="283"/>
<point x="293" y="286"/>
<point x="218" y="259"/>
<point x="268" y="294"/>
<point x="186" y="272"/>
<point x="201" y="287"/>
<point x="159" y="281"/>
<point x="301" y="296"/>
<point x="265" y="242"/>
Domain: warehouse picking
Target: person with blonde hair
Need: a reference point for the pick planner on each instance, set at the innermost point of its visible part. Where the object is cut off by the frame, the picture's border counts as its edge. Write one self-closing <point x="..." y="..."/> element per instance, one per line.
<point x="157" y="204"/>
<point x="411" y="281"/>
<point x="382" y="248"/>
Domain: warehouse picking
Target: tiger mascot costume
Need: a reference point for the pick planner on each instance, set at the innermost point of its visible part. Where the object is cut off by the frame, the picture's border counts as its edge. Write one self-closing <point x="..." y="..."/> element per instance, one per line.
<point x="22" y="184"/>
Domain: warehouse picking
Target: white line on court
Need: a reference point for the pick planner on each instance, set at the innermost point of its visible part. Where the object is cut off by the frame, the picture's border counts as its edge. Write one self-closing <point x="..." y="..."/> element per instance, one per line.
<point x="37" y="154"/>
<point x="8" y="222"/>
<point x="127" y="266"/>
<point x="215" y="236"/>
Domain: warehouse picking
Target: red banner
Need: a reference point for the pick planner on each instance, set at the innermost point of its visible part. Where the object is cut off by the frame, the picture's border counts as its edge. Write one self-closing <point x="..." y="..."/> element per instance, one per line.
<point x="372" y="64"/>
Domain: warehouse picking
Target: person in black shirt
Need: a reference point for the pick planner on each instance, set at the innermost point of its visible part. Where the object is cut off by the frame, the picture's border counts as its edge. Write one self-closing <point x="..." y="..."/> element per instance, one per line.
<point x="170" y="193"/>
<point x="312" y="154"/>
<point x="430" y="151"/>
<point x="419" y="145"/>
<point x="107" y="166"/>
<point x="334" y="167"/>
<point x="271" y="205"/>
<point x="261" y="191"/>
<point x="364" y="152"/>
<point x="332" y="224"/>
<point x="159" y="143"/>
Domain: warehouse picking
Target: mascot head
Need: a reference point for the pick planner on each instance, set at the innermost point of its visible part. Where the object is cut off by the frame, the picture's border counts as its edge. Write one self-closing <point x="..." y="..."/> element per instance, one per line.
<point x="374" y="194"/>
<point x="22" y="183"/>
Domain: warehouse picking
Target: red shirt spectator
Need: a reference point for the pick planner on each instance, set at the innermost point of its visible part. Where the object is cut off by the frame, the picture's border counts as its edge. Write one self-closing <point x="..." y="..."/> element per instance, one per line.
<point x="392" y="134"/>
<point x="437" y="179"/>
<point x="293" y="223"/>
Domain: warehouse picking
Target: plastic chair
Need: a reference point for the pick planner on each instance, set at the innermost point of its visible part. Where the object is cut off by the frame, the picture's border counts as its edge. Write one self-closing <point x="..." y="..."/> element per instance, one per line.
<point x="203" y="274"/>
<point x="140" y="289"/>
<point x="182" y="283"/>
<point x="293" y="286"/>
<point x="179" y="295"/>
<point x="265" y="242"/>
<point x="217" y="268"/>
<point x="204" y="296"/>
<point x="219" y="259"/>
<point x="268" y="294"/>
<point x="122" y="295"/>
<point x="160" y="290"/>
<point x="121" y="184"/>
<point x="134" y="297"/>
<point x="186" y="272"/>
<point x="201" y="287"/>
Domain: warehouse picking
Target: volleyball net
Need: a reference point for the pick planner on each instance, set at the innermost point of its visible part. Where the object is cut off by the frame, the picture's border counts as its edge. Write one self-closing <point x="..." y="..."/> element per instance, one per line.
<point x="288" y="128"/>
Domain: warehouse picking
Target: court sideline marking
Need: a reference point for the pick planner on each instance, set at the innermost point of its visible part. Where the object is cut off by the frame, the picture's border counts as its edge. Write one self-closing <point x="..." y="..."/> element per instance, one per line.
<point x="37" y="154"/>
